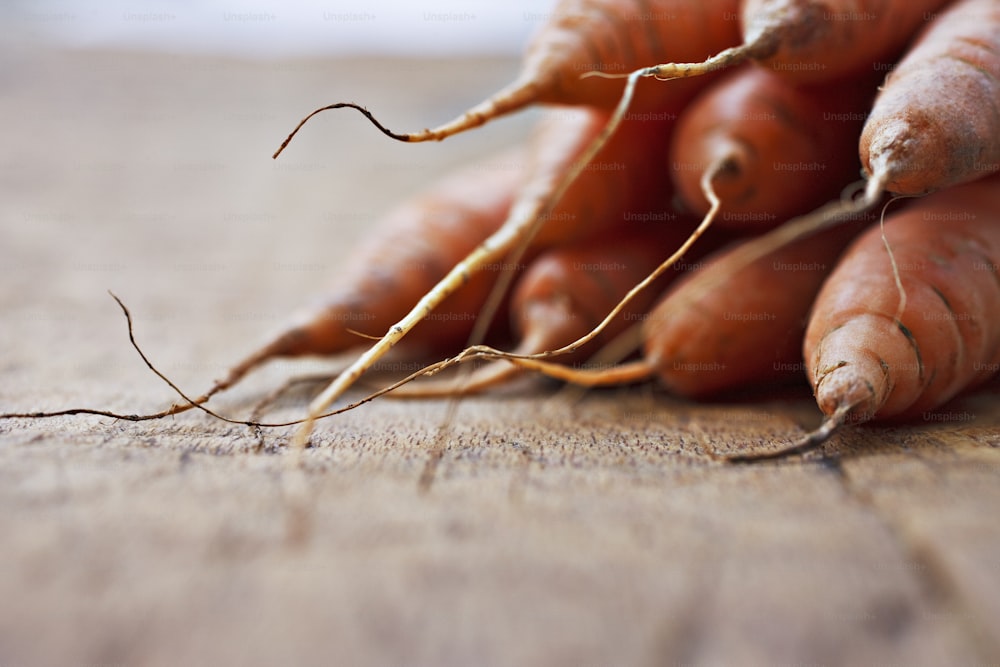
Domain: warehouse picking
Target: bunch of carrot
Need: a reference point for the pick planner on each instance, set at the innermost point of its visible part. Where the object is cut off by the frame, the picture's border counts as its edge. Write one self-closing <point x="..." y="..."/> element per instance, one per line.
<point x="773" y="112"/>
<point x="726" y="127"/>
<point x="760" y="119"/>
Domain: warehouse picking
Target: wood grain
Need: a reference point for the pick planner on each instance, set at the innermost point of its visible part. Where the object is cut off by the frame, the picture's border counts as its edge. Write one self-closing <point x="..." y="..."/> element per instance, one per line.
<point x="554" y="531"/>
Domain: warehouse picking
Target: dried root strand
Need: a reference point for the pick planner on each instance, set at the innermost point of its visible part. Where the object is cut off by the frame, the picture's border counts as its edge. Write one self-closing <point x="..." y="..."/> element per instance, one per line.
<point x="341" y="105"/>
<point x="804" y="445"/>
<point x="196" y="403"/>
<point x="189" y="402"/>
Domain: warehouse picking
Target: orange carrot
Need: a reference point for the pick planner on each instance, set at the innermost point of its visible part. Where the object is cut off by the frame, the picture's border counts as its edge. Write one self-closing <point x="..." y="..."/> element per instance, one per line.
<point x="731" y="323"/>
<point x="876" y="348"/>
<point x="784" y="149"/>
<point x="597" y="35"/>
<point x="566" y="292"/>
<point x="936" y="121"/>
<point x="814" y="41"/>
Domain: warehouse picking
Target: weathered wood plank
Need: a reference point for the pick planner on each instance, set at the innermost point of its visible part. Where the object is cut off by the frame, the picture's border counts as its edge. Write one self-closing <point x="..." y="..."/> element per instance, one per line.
<point x="553" y="532"/>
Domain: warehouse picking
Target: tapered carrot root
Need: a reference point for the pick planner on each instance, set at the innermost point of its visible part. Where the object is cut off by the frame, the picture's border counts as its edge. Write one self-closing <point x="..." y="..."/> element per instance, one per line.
<point x="604" y="35"/>
<point x="617" y="36"/>
<point x="565" y="294"/>
<point x="785" y="149"/>
<point x="874" y="352"/>
<point x="619" y="374"/>
<point x="936" y="121"/>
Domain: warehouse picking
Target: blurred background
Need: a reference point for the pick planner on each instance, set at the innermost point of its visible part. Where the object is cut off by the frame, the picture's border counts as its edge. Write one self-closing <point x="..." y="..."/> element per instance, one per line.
<point x="268" y="29"/>
<point x="138" y="160"/>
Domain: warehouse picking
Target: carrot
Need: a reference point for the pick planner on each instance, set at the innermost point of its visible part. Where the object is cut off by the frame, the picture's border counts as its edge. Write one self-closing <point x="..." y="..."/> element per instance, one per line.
<point x="588" y="35"/>
<point x="785" y="149"/>
<point x="732" y="323"/>
<point x="936" y="121"/>
<point x="576" y="186"/>
<point x="877" y="351"/>
<point x="565" y="293"/>
<point x="407" y="252"/>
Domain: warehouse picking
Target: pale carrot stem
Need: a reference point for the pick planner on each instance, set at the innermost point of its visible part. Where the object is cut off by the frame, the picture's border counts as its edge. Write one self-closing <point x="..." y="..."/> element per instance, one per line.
<point x="482" y="378"/>
<point x="892" y="261"/>
<point x="613" y="352"/>
<point x="725" y="58"/>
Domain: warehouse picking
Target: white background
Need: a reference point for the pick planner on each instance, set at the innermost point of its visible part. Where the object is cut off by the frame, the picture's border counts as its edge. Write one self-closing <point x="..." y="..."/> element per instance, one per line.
<point x="270" y="28"/>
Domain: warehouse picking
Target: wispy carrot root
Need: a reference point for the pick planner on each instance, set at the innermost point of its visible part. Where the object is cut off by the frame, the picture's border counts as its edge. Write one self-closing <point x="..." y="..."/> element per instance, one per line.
<point x="587" y="35"/>
<point x="189" y="403"/>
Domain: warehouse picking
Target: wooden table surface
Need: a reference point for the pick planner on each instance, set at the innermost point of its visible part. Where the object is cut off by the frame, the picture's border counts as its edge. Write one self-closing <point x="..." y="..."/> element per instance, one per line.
<point x="556" y="530"/>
